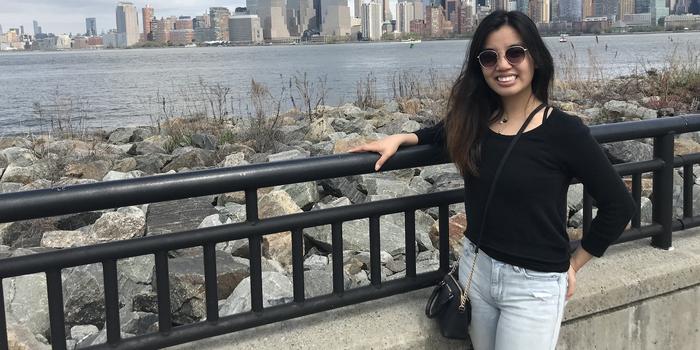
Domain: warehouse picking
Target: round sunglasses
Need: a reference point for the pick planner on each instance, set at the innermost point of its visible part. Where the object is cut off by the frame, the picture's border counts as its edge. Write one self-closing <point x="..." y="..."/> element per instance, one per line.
<point x="489" y="58"/>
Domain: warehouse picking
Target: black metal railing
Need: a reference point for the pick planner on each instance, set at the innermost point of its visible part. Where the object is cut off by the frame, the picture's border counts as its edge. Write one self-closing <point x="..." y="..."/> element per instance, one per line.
<point x="249" y="178"/>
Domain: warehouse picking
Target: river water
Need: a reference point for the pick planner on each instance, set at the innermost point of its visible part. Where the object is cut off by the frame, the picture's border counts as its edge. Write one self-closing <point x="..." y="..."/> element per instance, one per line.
<point x="112" y="88"/>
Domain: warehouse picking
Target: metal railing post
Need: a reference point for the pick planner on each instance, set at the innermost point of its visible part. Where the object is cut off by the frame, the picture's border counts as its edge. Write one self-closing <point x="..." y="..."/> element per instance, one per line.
<point x="663" y="191"/>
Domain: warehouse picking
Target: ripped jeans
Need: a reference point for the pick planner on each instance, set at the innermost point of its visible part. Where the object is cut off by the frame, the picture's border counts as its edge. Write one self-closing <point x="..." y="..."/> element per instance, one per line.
<point x="512" y="308"/>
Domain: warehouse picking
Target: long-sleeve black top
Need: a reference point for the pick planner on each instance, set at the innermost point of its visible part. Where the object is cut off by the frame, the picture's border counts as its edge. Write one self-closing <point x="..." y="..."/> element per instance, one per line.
<point x="526" y="223"/>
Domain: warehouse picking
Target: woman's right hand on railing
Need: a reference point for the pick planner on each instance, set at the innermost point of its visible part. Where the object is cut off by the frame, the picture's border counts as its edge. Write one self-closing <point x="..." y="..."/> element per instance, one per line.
<point x="386" y="147"/>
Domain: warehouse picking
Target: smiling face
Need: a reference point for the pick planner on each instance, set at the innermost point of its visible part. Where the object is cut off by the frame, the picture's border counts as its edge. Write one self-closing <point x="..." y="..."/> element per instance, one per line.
<point x="506" y="79"/>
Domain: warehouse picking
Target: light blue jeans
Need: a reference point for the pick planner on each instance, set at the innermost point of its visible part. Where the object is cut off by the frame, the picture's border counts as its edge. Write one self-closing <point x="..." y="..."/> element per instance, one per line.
<point x="512" y="308"/>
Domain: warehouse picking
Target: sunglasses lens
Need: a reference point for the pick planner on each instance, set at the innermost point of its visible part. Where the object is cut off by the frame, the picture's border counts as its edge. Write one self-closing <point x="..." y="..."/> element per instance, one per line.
<point x="515" y="54"/>
<point x="488" y="58"/>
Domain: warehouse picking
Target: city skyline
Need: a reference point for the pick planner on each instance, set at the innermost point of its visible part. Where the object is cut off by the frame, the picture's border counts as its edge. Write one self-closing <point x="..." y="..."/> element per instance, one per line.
<point x="69" y="16"/>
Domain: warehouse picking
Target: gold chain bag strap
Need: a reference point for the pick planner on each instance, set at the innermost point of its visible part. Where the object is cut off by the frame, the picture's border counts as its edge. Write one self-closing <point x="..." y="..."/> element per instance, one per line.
<point x="453" y="313"/>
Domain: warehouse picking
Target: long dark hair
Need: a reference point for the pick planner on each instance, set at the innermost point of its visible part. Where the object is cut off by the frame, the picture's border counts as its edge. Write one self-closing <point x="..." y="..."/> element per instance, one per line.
<point x="473" y="106"/>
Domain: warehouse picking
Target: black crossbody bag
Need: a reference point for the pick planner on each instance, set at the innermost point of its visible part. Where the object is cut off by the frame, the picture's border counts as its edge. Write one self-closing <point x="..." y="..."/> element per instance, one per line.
<point x="448" y="303"/>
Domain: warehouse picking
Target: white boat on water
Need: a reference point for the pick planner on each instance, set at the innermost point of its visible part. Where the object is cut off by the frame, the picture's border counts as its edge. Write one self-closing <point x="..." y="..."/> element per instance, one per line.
<point x="411" y="41"/>
<point x="562" y="38"/>
<point x="191" y="45"/>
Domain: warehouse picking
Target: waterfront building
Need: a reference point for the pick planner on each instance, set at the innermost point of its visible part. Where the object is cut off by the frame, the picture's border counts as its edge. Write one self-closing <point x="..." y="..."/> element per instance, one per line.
<point x="637" y="20"/>
<point x="371" y="13"/>
<point x="641" y="6"/>
<point x="570" y="10"/>
<point x="218" y="17"/>
<point x="658" y="10"/>
<point x="625" y="7"/>
<point x="94" y="41"/>
<point x="407" y="11"/>
<point x="539" y="11"/>
<point x="436" y="24"/>
<point x="694" y="7"/>
<point x="37" y="28"/>
<point x="202" y="28"/>
<point x="336" y="19"/>
<point x="273" y="19"/>
<point x="109" y="39"/>
<point x="63" y="42"/>
<point x="386" y="12"/>
<point x="127" y="25"/>
<point x="675" y="22"/>
<point x="245" y="29"/>
<point x="252" y="6"/>
<point x="90" y="26"/>
<point x="300" y="16"/>
<point x="588" y="9"/>
<point x="162" y="29"/>
<point x="80" y="42"/>
<point x="148" y="16"/>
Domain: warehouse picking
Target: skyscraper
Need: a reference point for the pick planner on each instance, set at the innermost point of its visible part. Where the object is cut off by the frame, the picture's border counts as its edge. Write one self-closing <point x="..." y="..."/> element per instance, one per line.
<point x="358" y="5"/>
<point x="570" y="10"/>
<point x="371" y="20"/>
<point x="90" y="26"/>
<point x="539" y="11"/>
<point x="300" y="13"/>
<point x="386" y="11"/>
<point x="641" y="6"/>
<point x="658" y="10"/>
<point x="37" y="29"/>
<point x="1" y="32"/>
<point x="336" y="18"/>
<point x="626" y="7"/>
<point x="127" y="24"/>
<point x="147" y="18"/>
<point x="245" y="29"/>
<point x="219" y="22"/>
<point x="273" y="19"/>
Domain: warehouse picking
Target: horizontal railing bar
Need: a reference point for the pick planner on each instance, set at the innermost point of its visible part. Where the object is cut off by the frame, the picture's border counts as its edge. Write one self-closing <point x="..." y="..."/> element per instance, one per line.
<point x="28" y="264"/>
<point x="639" y="233"/>
<point x="686" y="223"/>
<point x="112" y="194"/>
<point x="232" y="323"/>
<point x="686" y="159"/>
<point x="645" y="166"/>
<point x="622" y="131"/>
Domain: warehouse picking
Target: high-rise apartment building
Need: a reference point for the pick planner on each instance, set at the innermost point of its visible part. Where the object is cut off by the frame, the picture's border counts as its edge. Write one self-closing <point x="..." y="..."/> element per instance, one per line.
<point x="219" y="22"/>
<point x="90" y="26"/>
<point x="625" y="7"/>
<point x="357" y="8"/>
<point x="300" y="16"/>
<point x="641" y="6"/>
<point x="37" y="29"/>
<point x="252" y="6"/>
<point x="570" y="10"/>
<point x="588" y="9"/>
<point x="539" y="11"/>
<point x="1" y="32"/>
<point x="273" y="19"/>
<point x="371" y="14"/>
<point x="386" y="11"/>
<point x="407" y="11"/>
<point x="658" y="10"/>
<point x="127" y="24"/>
<point x="245" y="29"/>
<point x="336" y="18"/>
<point x="147" y="16"/>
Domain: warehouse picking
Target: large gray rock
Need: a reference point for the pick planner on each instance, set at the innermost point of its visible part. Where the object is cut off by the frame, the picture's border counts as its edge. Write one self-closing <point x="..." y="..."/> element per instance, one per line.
<point x="83" y="295"/>
<point x="116" y="226"/>
<point x="178" y="215"/>
<point x="134" y="277"/>
<point x="193" y="158"/>
<point x="288" y="155"/>
<point x="118" y="175"/>
<point x="205" y="141"/>
<point x="26" y="233"/>
<point x="356" y="236"/>
<point x="94" y="170"/>
<point x="18" y="156"/>
<point x="277" y="289"/>
<point x="152" y="163"/>
<point x="65" y="239"/>
<point x="431" y="173"/>
<point x="20" y="337"/>
<point x="343" y="187"/>
<point x="121" y="135"/>
<point x="146" y="147"/>
<point x="234" y="159"/>
<point x="136" y="322"/>
<point x="419" y="185"/>
<point x="616" y="111"/>
<point x="26" y="301"/>
<point x="26" y="174"/>
<point x="390" y="187"/>
<point x="303" y="194"/>
<point x="79" y="333"/>
<point x="187" y="283"/>
<point x="574" y="197"/>
<point x="319" y="129"/>
<point x="99" y="339"/>
<point x="628" y="151"/>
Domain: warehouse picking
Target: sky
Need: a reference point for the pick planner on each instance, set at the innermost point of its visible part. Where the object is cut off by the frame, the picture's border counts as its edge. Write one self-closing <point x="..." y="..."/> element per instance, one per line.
<point x="68" y="16"/>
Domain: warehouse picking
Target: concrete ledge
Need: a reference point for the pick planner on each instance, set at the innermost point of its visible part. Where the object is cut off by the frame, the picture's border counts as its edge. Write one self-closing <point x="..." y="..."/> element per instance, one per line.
<point x="636" y="297"/>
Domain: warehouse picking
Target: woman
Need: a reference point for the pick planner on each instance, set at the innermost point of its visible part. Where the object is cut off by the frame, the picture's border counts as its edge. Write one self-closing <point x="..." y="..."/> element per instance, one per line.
<point x="524" y="271"/>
